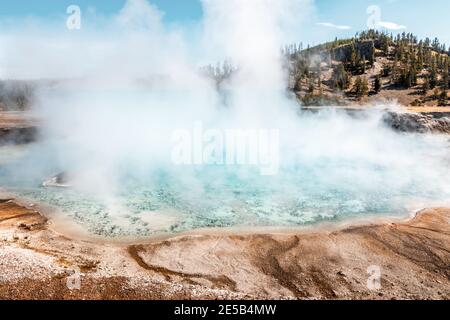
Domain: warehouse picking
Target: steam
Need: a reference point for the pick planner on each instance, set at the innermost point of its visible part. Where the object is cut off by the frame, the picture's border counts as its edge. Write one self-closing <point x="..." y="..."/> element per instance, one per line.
<point x="122" y="89"/>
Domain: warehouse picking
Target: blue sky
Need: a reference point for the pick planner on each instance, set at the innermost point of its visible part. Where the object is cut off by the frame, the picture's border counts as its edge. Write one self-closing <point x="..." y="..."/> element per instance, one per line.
<point x="175" y="10"/>
<point x="332" y="18"/>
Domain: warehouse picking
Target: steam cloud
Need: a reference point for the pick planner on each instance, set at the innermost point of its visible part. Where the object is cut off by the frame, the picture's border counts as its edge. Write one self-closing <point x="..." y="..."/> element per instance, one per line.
<point x="123" y="87"/>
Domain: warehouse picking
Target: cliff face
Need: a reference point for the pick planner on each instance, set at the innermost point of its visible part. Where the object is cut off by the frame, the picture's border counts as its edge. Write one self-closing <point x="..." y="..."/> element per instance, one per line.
<point x="364" y="48"/>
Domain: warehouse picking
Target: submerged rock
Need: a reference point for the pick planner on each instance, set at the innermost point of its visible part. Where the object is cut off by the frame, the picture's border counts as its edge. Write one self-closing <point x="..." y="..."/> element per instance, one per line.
<point x="60" y="180"/>
<point x="416" y="122"/>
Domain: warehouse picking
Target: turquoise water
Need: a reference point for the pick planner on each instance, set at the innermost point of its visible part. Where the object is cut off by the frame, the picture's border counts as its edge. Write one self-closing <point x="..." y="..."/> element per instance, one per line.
<point x="317" y="183"/>
<point x="236" y="201"/>
<point x="220" y="197"/>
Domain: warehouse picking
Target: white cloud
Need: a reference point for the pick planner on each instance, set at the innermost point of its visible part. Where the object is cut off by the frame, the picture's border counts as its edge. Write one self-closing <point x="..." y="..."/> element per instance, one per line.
<point x="391" y="25"/>
<point x="140" y="14"/>
<point x="332" y="25"/>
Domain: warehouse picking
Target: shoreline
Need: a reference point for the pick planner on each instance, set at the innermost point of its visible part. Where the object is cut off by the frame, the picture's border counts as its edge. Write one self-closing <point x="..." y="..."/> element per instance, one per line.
<point x="63" y="225"/>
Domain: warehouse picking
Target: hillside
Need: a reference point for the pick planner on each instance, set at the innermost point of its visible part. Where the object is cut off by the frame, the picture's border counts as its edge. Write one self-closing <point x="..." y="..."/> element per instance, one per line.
<point x="371" y="67"/>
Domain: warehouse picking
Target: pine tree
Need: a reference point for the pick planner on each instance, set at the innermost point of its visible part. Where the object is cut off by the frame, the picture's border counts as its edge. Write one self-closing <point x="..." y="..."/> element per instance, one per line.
<point x="340" y="78"/>
<point x="436" y="93"/>
<point x="425" y="86"/>
<point x="365" y="87"/>
<point x="363" y="64"/>
<point x="445" y="76"/>
<point x="372" y="56"/>
<point x="311" y="87"/>
<point x="377" y="84"/>
<point x="386" y="70"/>
<point x="354" y="57"/>
<point x="385" y="47"/>
<point x="361" y="87"/>
<point x="395" y="72"/>
<point x="357" y="88"/>
<point x="443" y="98"/>
<point x="433" y="76"/>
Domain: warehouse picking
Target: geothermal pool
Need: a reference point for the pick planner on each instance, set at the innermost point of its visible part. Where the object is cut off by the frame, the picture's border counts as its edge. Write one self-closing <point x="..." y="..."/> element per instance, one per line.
<point x="345" y="176"/>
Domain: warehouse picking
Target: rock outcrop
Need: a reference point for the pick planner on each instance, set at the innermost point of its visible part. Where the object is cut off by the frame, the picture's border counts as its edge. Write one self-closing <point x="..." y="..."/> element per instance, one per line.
<point x="18" y="135"/>
<point x="363" y="48"/>
<point x="416" y="123"/>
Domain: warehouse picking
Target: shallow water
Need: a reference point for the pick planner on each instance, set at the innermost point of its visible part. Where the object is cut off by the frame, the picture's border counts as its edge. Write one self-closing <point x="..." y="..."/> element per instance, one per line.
<point x="320" y="182"/>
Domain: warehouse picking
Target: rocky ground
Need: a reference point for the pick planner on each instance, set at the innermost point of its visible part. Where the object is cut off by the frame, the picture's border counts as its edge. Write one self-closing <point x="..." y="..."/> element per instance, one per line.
<point x="414" y="259"/>
<point x="411" y="120"/>
<point x="417" y="122"/>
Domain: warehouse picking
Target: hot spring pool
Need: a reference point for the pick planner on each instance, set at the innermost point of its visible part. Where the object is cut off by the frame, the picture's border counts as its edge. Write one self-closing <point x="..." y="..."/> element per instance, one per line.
<point x="391" y="174"/>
